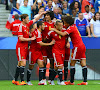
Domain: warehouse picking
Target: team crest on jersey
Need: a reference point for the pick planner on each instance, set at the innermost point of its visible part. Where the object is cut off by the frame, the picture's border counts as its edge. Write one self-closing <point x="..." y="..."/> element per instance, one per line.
<point x="72" y="55"/>
<point x="60" y="36"/>
<point x="32" y="62"/>
<point x="58" y="63"/>
<point x="22" y="57"/>
<point x="49" y="27"/>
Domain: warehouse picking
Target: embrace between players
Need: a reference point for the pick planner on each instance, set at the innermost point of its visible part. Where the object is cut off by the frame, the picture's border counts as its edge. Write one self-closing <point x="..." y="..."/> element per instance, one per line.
<point x="49" y="40"/>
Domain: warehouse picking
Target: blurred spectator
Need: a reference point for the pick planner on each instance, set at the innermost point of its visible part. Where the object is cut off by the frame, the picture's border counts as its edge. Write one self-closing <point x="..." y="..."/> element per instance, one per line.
<point x="95" y="25"/>
<point x="71" y="1"/>
<point x="15" y="24"/>
<point x="93" y="11"/>
<point x="41" y="9"/>
<point x="26" y="9"/>
<point x="60" y="11"/>
<point x="49" y="6"/>
<point x="21" y="3"/>
<point x="88" y="15"/>
<point x="97" y="6"/>
<point x="65" y="9"/>
<point x="56" y="3"/>
<point x="82" y="25"/>
<point x="13" y="2"/>
<point x="87" y="2"/>
<point x="56" y="13"/>
<point x="75" y="6"/>
<point x="37" y="5"/>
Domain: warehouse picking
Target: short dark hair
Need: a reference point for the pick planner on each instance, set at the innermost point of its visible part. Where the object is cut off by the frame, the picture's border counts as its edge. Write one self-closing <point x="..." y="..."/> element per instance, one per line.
<point x="87" y="6"/>
<point x="23" y="16"/>
<point x="69" y="20"/>
<point x="92" y="8"/>
<point x="16" y="16"/>
<point x="39" y="23"/>
<point x="41" y="7"/>
<point x="58" y="21"/>
<point x="51" y="13"/>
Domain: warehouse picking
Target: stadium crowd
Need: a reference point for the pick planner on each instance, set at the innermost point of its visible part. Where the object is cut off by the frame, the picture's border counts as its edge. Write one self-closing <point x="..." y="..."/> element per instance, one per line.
<point x="60" y="18"/>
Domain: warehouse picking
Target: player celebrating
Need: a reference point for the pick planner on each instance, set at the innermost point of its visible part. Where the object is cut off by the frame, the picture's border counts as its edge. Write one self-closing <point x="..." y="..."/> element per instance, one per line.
<point x="35" y="54"/>
<point x="78" y="52"/>
<point x="47" y="51"/>
<point x="22" y="46"/>
<point x="58" y="50"/>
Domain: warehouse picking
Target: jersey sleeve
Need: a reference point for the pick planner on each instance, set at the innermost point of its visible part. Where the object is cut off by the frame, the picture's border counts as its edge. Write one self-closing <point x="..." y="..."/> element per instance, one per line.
<point x="20" y="31"/>
<point x="11" y="26"/>
<point x="69" y="30"/>
<point x="49" y="35"/>
<point x="30" y="23"/>
<point x="38" y="37"/>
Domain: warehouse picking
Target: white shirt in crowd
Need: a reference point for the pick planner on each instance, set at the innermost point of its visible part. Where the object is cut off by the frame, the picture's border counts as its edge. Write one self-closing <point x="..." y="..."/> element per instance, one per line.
<point x="87" y="15"/>
<point x="96" y="27"/>
<point x="21" y="2"/>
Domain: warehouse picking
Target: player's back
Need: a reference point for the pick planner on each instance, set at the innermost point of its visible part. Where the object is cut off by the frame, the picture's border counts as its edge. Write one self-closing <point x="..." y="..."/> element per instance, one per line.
<point x="35" y="43"/>
<point x="74" y="35"/>
<point x="14" y="25"/>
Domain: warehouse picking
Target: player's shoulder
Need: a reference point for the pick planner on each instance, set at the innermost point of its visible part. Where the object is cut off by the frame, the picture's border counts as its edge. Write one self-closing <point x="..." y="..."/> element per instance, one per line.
<point x="50" y="32"/>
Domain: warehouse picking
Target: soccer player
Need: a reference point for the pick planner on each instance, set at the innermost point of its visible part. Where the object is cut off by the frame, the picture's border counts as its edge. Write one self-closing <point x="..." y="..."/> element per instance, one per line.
<point x="22" y="46"/>
<point x="58" y="50"/>
<point x="35" y="54"/>
<point x="78" y="52"/>
<point x="15" y="24"/>
<point x="47" y="51"/>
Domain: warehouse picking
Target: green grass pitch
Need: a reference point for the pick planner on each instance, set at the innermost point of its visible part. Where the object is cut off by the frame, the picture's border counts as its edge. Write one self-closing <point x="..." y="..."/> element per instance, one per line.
<point x="92" y="85"/>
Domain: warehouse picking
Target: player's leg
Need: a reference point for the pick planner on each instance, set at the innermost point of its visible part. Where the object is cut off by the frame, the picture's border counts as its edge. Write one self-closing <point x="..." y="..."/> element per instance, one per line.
<point x="41" y="71"/>
<point x="31" y="65"/>
<point x="65" y="70"/>
<point x="45" y="63"/>
<point x="29" y="71"/>
<point x="67" y="58"/>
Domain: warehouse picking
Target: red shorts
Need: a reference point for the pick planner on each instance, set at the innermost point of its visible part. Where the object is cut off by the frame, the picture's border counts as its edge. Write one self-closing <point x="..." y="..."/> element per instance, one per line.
<point x="21" y="53"/>
<point x="47" y="51"/>
<point x="78" y="53"/>
<point x="44" y="51"/>
<point x="34" y="56"/>
<point x="67" y="54"/>
<point x="59" y="59"/>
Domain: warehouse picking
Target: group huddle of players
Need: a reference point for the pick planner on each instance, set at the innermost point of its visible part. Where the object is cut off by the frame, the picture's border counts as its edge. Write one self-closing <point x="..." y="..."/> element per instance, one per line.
<point x="49" y="40"/>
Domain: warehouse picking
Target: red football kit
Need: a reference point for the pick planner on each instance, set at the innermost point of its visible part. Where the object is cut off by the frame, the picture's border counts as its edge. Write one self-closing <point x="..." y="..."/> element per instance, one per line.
<point x="35" y="49"/>
<point x="13" y="27"/>
<point x="58" y="49"/>
<point x="47" y="51"/>
<point x="22" y="46"/>
<point x="78" y="52"/>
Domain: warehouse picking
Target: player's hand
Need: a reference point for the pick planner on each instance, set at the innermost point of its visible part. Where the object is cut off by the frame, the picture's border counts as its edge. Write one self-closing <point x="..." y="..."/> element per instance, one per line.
<point x="89" y="35"/>
<point x="94" y="35"/>
<point x="52" y="42"/>
<point x="52" y="29"/>
<point x="43" y="12"/>
<point x="68" y="45"/>
<point x="33" y="38"/>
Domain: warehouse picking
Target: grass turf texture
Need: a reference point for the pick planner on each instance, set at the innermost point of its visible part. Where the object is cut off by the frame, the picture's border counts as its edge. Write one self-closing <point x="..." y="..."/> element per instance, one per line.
<point x="92" y="85"/>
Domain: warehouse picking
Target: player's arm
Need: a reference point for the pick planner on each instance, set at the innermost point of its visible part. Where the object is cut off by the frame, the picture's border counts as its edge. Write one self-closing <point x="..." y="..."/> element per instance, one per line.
<point x="21" y="38"/>
<point x="39" y="16"/>
<point x="47" y="44"/>
<point x="59" y="32"/>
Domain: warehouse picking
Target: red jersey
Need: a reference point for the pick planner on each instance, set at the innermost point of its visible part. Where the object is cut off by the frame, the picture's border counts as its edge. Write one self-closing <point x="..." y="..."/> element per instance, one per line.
<point x="24" y="31"/>
<point x="14" y="25"/>
<point x="59" y="46"/>
<point x="48" y="26"/>
<point x="74" y="35"/>
<point x="35" y="43"/>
